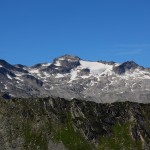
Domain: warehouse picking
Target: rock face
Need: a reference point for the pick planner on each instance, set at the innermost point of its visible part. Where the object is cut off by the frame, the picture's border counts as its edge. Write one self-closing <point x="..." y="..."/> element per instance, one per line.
<point x="129" y="65"/>
<point x="63" y="64"/>
<point x="101" y="105"/>
<point x="71" y="77"/>
<point x="59" y="124"/>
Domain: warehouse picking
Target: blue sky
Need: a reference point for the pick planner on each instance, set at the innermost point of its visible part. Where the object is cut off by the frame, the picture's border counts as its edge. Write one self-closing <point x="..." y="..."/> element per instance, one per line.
<point x="33" y="31"/>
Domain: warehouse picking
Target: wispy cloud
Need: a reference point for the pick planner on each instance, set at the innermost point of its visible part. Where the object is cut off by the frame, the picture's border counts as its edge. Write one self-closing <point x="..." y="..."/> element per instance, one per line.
<point x="132" y="52"/>
<point x="133" y="45"/>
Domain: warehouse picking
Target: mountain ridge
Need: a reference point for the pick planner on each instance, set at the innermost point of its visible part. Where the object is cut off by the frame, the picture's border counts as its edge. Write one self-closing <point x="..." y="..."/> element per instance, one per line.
<point x="59" y="124"/>
<point x="71" y="77"/>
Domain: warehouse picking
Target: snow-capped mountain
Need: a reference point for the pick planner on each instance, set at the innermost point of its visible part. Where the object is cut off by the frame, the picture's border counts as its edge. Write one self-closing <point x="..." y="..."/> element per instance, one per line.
<point x="71" y="77"/>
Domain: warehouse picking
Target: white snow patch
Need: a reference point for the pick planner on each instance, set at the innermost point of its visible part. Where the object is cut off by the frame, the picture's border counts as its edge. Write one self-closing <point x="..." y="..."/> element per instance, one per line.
<point x="146" y="77"/>
<point x="95" y="68"/>
<point x="73" y="75"/>
<point x="46" y="74"/>
<point x="56" y="68"/>
<point x="9" y="77"/>
<point x="117" y="64"/>
<point x="45" y="80"/>
<point x="46" y="65"/>
<point x="70" y="60"/>
<point x="92" y="83"/>
<point x="46" y="88"/>
<point x="5" y="86"/>
<point x="61" y="59"/>
<point x="59" y="75"/>
<point x="136" y="74"/>
<point x="17" y="78"/>
<point x="12" y="95"/>
<point x="19" y="74"/>
<point x="84" y="77"/>
<point x="1" y="66"/>
<point x="57" y="63"/>
<point x="34" y="71"/>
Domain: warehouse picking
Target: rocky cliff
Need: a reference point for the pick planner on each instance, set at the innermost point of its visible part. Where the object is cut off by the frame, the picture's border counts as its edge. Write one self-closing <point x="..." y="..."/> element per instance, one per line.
<point x="59" y="124"/>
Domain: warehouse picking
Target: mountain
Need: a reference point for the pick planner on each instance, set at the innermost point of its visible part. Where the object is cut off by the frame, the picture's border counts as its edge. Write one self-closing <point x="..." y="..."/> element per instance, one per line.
<point x="70" y="77"/>
<point x="73" y="104"/>
<point x="59" y="124"/>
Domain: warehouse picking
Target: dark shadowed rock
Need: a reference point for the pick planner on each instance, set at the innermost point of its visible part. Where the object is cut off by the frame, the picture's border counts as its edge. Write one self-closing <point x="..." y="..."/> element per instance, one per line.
<point x="83" y="72"/>
<point x="4" y="72"/>
<point x="107" y="62"/>
<point x="11" y="67"/>
<point x="63" y="64"/>
<point x="20" y="66"/>
<point x="37" y="66"/>
<point x="129" y="65"/>
<point x="6" y="96"/>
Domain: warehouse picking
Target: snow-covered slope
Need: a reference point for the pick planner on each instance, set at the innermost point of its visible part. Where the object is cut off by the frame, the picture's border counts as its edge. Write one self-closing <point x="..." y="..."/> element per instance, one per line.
<point x="96" y="68"/>
<point x="70" y="77"/>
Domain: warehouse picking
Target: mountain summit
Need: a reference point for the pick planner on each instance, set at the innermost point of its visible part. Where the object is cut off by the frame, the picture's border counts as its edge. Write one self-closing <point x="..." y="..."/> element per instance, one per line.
<point x="71" y="77"/>
<point x="129" y="65"/>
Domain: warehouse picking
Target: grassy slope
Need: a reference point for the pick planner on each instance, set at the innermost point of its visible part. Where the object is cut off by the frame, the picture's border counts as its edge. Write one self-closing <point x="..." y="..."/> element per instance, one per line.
<point x="32" y="122"/>
<point x="120" y="139"/>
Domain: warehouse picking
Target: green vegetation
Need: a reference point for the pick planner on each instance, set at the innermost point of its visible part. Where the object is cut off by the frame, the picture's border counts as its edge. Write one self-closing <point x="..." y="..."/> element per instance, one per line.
<point x="61" y="132"/>
<point x="39" y="124"/>
<point x="72" y="139"/>
<point x="34" y="139"/>
<point x="120" y="139"/>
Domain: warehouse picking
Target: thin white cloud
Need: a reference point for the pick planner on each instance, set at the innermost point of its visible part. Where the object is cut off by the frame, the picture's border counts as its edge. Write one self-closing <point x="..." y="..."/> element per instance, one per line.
<point x="132" y="52"/>
<point x="133" y="45"/>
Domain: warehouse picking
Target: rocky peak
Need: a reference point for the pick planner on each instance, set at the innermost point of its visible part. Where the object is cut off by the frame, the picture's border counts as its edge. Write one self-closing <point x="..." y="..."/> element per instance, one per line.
<point x="70" y="77"/>
<point x="5" y="64"/>
<point x="66" y="58"/>
<point x="19" y="66"/>
<point x="69" y="57"/>
<point x="126" y="66"/>
<point x="64" y="64"/>
<point x="37" y="66"/>
<point x="10" y="67"/>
